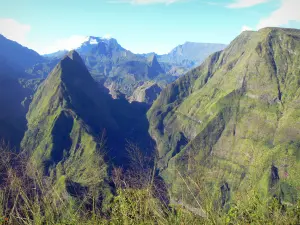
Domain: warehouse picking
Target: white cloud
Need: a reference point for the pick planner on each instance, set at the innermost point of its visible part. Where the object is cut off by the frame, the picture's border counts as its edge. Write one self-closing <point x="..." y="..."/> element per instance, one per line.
<point x="107" y="36"/>
<point x="69" y="43"/>
<point x="14" y="30"/>
<point x="246" y="3"/>
<point x="288" y="11"/>
<point x="145" y="2"/>
<point x="246" y="28"/>
<point x="64" y="44"/>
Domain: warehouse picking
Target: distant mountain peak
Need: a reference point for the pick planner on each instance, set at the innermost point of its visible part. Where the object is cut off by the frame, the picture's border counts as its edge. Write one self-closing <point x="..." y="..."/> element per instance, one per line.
<point x="93" y="40"/>
<point x="98" y="44"/>
<point x="192" y="53"/>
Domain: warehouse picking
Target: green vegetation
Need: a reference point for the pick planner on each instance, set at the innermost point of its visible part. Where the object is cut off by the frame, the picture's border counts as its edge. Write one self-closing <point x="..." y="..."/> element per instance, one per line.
<point x="139" y="199"/>
<point x="226" y="133"/>
<point x="233" y="122"/>
<point x="62" y="131"/>
<point x="67" y="121"/>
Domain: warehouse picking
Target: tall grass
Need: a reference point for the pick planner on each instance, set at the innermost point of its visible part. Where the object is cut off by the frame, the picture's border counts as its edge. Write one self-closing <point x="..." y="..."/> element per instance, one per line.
<point x="140" y="197"/>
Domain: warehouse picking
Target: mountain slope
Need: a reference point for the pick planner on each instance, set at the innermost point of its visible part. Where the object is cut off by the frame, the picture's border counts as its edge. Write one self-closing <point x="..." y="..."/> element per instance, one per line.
<point x="70" y="120"/>
<point x="17" y="55"/>
<point x="65" y="121"/>
<point x="232" y="122"/>
<point x="12" y="107"/>
<point x="147" y="93"/>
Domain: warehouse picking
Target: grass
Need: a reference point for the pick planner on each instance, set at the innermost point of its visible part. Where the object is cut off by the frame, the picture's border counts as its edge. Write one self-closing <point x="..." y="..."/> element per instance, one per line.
<point x="139" y="198"/>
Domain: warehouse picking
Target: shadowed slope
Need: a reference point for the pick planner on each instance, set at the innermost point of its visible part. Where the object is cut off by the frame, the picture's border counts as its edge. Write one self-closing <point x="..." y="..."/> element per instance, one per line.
<point x="68" y="117"/>
<point x="65" y="122"/>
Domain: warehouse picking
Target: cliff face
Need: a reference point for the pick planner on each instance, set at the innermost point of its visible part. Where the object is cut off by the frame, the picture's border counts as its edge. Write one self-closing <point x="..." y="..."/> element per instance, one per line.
<point x="148" y="92"/>
<point x="233" y="121"/>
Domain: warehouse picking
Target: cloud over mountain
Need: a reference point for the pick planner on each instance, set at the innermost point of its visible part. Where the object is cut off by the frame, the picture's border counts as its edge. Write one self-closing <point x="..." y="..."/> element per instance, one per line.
<point x="14" y="30"/>
<point x="286" y="13"/>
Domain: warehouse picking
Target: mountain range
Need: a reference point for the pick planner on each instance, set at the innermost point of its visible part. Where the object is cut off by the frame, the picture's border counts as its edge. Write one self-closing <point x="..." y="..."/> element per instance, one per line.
<point x="186" y="56"/>
<point x="124" y="71"/>
<point x="221" y="141"/>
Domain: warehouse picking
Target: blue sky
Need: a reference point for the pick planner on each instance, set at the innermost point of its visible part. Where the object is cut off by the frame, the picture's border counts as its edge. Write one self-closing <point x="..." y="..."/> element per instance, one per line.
<point x="139" y="25"/>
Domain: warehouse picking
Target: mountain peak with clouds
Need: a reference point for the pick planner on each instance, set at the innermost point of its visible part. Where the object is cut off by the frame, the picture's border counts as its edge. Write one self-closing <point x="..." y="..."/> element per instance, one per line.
<point x="86" y="44"/>
<point x="93" y="40"/>
<point x="141" y="25"/>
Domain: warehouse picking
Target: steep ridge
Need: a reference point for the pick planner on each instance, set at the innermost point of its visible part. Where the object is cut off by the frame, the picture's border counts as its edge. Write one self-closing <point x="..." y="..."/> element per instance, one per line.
<point x="65" y="122"/>
<point x="17" y="55"/>
<point x="232" y="122"/>
<point x="76" y="131"/>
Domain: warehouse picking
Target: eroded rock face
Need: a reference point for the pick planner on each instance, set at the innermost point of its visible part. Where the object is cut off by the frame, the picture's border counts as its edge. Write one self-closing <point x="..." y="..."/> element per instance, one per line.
<point x="148" y="92"/>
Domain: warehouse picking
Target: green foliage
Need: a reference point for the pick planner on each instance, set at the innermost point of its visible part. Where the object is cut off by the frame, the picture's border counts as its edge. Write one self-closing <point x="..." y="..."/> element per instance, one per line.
<point x="238" y="113"/>
<point x="37" y="200"/>
<point x="136" y="207"/>
<point x="62" y="139"/>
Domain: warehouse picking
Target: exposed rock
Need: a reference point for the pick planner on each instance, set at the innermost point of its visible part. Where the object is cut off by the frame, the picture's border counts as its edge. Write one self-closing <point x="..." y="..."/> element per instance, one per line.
<point x="148" y="92"/>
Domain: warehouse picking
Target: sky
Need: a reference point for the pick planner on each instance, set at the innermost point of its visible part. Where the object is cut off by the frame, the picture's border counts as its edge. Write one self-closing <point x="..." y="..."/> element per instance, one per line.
<point x="140" y="26"/>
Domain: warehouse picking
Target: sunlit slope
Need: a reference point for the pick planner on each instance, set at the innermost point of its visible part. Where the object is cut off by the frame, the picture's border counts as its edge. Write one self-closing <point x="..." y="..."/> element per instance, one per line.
<point x="232" y="118"/>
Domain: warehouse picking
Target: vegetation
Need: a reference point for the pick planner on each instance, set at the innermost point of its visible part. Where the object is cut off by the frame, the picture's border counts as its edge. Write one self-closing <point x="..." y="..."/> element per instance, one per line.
<point x="233" y="121"/>
<point x="36" y="200"/>
<point x="227" y="139"/>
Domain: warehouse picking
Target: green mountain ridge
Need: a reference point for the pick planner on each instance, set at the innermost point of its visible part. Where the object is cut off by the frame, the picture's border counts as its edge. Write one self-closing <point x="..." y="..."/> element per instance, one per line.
<point x="234" y="118"/>
<point x="70" y="120"/>
<point x="65" y="121"/>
